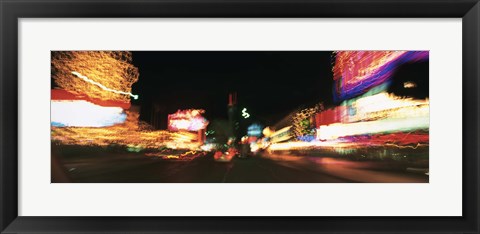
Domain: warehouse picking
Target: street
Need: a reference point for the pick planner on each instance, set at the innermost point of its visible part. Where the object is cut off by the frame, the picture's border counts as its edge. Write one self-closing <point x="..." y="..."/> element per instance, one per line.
<point x="107" y="167"/>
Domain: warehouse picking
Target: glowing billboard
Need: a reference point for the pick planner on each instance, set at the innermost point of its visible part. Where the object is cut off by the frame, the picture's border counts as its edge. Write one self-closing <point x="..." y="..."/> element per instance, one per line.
<point x="190" y="120"/>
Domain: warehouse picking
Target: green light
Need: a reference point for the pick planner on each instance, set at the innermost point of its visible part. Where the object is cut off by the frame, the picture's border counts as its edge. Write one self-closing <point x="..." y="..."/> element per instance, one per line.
<point x="245" y="114"/>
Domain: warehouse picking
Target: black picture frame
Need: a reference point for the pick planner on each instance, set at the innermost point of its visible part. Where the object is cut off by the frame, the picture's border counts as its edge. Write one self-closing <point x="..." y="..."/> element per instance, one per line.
<point x="11" y="11"/>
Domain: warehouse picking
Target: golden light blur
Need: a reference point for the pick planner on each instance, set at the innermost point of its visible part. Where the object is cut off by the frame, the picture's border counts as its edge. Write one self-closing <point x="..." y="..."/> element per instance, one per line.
<point x="109" y="76"/>
<point x="112" y="69"/>
<point x="132" y="133"/>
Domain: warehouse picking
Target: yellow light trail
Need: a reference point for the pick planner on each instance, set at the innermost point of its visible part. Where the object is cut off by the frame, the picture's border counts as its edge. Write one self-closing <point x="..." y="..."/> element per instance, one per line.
<point x="102" y="86"/>
<point x="303" y="144"/>
<point x="334" y="131"/>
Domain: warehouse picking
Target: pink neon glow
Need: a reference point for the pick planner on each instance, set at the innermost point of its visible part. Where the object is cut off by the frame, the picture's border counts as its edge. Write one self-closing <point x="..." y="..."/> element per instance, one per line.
<point x="190" y="120"/>
<point x="355" y="72"/>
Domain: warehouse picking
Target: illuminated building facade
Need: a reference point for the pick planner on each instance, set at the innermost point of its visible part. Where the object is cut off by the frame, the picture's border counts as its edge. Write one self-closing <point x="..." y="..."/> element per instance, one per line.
<point x="369" y="113"/>
<point x="362" y="79"/>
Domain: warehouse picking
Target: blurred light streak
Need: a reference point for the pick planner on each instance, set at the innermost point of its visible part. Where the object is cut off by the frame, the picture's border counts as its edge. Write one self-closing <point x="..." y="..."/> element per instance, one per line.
<point x="399" y="139"/>
<point x="367" y="115"/>
<point x="103" y="86"/>
<point x="112" y="69"/>
<point x="384" y="105"/>
<point x="132" y="133"/>
<point x="283" y="134"/>
<point x="348" y="145"/>
<point x="302" y="145"/>
<point x="407" y="146"/>
<point x="355" y="72"/>
<point x="185" y="156"/>
<point x="334" y="131"/>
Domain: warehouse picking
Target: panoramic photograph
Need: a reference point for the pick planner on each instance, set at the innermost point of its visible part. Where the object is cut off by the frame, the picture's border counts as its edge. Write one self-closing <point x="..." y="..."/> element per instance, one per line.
<point x="239" y="116"/>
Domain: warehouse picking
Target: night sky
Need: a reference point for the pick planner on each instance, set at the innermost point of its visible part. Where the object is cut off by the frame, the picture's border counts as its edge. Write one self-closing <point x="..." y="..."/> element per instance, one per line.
<point x="269" y="84"/>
